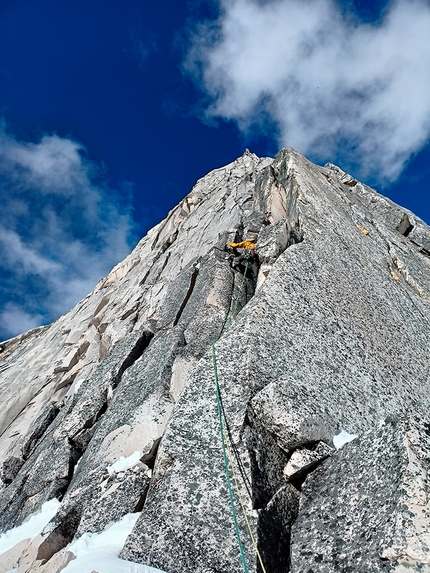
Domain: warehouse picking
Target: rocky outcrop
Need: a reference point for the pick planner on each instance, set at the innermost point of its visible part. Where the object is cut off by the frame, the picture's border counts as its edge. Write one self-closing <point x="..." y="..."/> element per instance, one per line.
<point x="380" y="482"/>
<point x="328" y="329"/>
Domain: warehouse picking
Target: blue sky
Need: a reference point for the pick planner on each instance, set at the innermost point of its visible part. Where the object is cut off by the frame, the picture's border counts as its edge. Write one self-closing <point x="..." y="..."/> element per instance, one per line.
<point x="111" y="109"/>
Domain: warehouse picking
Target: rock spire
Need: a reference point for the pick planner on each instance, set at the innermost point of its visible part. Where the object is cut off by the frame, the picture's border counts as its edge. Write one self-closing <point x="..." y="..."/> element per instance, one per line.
<point x="112" y="408"/>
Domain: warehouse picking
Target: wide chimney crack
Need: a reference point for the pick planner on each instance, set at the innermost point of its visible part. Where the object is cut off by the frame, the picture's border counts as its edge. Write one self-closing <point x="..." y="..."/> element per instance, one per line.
<point x="277" y="477"/>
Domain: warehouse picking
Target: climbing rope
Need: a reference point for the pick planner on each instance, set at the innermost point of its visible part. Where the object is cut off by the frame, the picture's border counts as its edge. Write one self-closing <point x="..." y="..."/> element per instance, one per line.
<point x="240" y="465"/>
<point x="229" y="458"/>
<point x="226" y="437"/>
<point x="227" y="473"/>
<point x="227" y="323"/>
<point x="229" y="319"/>
<point x="242" y="505"/>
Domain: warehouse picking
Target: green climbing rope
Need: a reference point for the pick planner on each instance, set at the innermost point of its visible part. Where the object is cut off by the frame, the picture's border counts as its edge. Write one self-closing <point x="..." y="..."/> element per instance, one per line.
<point x="227" y="473"/>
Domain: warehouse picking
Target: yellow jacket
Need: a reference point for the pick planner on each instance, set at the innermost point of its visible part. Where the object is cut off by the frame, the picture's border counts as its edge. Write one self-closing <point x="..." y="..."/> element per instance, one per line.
<point x="248" y="244"/>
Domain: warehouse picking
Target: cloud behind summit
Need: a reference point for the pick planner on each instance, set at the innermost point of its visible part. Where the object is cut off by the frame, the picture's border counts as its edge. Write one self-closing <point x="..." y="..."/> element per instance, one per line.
<point x="333" y="85"/>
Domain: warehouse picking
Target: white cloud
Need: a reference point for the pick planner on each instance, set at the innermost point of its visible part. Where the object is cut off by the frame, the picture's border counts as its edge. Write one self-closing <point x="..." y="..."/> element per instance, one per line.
<point x="334" y="86"/>
<point x="61" y="229"/>
<point x="14" y="320"/>
<point x="53" y="165"/>
<point x="22" y="257"/>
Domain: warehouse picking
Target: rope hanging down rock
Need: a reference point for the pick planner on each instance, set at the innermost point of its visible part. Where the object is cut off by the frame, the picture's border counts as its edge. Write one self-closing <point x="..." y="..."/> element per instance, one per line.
<point x="227" y="473"/>
<point x="227" y="455"/>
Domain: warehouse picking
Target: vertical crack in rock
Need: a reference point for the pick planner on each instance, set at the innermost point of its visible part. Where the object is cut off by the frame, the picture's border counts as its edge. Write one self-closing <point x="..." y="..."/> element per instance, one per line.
<point x="277" y="476"/>
<point x="13" y="464"/>
<point x="155" y="271"/>
<point x="276" y="501"/>
<point x="188" y="294"/>
<point x="267" y="461"/>
<point x="275" y="521"/>
<point x="169" y="242"/>
<point x="135" y="353"/>
<point x="141" y="503"/>
<point x="277" y="517"/>
<point x="149" y="458"/>
<point x="82" y="438"/>
<point x="60" y="536"/>
<point x="75" y="454"/>
<point x="244" y="285"/>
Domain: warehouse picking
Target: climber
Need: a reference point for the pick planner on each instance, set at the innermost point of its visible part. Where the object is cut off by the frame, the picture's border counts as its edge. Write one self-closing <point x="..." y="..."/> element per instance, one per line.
<point x="248" y="255"/>
<point x="248" y="244"/>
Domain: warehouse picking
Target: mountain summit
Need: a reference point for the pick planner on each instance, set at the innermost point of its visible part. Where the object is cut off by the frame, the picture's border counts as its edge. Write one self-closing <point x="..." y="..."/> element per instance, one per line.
<point x="245" y="409"/>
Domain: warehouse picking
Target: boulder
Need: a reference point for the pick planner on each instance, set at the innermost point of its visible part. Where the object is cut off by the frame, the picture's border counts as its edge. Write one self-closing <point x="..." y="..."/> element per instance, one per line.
<point x="373" y="493"/>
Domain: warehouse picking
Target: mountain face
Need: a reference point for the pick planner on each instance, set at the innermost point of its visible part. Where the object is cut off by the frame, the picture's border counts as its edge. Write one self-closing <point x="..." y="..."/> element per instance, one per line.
<point x="323" y="331"/>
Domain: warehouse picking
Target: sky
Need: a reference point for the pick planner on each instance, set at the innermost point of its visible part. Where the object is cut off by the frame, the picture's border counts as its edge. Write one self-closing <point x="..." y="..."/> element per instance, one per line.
<point x="110" y="110"/>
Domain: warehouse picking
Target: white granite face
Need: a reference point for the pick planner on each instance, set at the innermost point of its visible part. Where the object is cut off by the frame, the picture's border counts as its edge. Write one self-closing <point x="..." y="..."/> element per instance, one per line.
<point x="46" y="365"/>
<point x="328" y="334"/>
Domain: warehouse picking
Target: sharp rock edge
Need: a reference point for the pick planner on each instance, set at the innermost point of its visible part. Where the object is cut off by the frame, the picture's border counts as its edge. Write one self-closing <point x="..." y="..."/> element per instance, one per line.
<point x="330" y="336"/>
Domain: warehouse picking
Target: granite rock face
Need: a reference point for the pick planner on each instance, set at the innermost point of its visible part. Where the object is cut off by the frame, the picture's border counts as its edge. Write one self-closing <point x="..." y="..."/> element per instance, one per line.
<point x="327" y="329"/>
<point x="380" y="481"/>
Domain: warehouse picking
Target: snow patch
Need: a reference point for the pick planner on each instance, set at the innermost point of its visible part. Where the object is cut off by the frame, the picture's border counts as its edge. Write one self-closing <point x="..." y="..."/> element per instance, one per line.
<point x="125" y="463"/>
<point x="99" y="551"/>
<point x="31" y="528"/>
<point x="78" y="385"/>
<point x="343" y="438"/>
